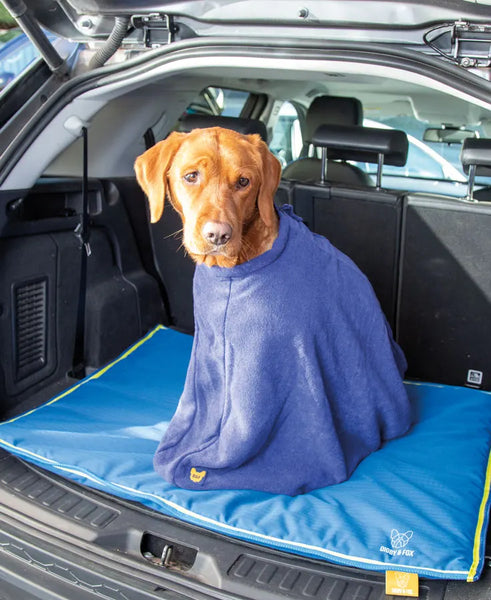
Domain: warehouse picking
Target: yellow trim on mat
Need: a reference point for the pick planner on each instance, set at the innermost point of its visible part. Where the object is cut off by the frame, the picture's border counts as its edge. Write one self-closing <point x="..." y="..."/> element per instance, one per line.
<point x="480" y="524"/>
<point x="95" y="375"/>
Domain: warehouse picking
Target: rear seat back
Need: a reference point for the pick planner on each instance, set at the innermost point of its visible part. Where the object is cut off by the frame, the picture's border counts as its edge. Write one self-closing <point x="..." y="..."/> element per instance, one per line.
<point x="363" y="222"/>
<point x="444" y="323"/>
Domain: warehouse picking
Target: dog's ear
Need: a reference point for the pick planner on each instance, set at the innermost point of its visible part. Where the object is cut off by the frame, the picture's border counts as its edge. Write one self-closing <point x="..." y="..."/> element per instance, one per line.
<point x="271" y="175"/>
<point x="151" y="171"/>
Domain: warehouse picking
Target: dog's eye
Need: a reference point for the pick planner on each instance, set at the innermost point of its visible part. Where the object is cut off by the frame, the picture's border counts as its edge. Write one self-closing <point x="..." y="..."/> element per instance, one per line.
<point x="191" y="177"/>
<point x="243" y="182"/>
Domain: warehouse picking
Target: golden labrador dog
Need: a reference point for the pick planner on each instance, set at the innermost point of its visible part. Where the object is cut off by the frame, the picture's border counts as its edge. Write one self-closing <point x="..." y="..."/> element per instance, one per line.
<point x="222" y="183"/>
<point x="294" y="376"/>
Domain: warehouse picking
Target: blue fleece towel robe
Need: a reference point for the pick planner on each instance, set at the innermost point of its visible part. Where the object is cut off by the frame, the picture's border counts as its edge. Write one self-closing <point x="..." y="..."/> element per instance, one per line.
<point x="294" y="376"/>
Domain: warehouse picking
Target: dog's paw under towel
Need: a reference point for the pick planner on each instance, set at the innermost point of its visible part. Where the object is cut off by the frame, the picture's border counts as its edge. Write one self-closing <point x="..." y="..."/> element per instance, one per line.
<point x="294" y="377"/>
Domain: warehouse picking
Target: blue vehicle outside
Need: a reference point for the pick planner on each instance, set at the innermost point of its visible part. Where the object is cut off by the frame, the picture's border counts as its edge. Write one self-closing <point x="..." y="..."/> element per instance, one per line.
<point x="15" y="56"/>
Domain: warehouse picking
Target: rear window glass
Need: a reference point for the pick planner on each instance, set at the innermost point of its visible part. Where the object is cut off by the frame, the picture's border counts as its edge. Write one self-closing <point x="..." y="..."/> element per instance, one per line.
<point x="286" y="143"/>
<point x="16" y="50"/>
<point x="219" y="101"/>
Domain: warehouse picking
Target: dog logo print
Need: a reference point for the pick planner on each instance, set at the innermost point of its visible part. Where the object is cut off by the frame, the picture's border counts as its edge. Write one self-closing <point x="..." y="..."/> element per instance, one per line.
<point x="400" y="540"/>
<point x="402" y="580"/>
<point x="197" y="476"/>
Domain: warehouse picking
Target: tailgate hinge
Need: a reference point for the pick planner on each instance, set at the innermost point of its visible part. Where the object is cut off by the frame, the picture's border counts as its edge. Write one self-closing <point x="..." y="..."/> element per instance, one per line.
<point x="158" y="29"/>
<point x="467" y="44"/>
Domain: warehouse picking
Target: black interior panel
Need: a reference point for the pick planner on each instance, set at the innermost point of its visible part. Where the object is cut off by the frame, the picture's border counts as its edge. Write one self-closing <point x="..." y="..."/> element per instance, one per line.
<point x="362" y="223"/>
<point x="175" y="268"/>
<point x="445" y="291"/>
<point x="40" y="283"/>
<point x="37" y="314"/>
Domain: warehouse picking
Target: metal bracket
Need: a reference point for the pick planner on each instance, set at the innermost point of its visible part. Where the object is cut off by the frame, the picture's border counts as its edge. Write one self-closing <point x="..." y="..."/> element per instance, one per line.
<point x="166" y="555"/>
<point x="470" y="184"/>
<point x="165" y="558"/>
<point x="83" y="239"/>
<point x="158" y="29"/>
<point x="467" y="44"/>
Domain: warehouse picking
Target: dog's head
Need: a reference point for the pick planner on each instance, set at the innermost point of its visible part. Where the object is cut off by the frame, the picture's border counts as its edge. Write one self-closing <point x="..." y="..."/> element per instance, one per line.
<point x="222" y="183"/>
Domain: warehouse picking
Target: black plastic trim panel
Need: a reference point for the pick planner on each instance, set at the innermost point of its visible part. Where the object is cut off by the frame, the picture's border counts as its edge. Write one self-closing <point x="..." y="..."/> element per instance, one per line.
<point x="79" y="543"/>
<point x="20" y="478"/>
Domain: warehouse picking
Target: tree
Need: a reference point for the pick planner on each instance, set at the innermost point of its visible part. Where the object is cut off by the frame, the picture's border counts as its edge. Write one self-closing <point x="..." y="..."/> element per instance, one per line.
<point x="6" y="19"/>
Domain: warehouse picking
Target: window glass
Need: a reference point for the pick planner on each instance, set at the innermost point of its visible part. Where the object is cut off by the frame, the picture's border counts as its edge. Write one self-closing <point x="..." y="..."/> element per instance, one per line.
<point x="17" y="52"/>
<point x="219" y="101"/>
<point x="11" y="63"/>
<point x="286" y="143"/>
<point x="430" y="167"/>
<point x="437" y="161"/>
<point x="229" y="102"/>
<point x="15" y="56"/>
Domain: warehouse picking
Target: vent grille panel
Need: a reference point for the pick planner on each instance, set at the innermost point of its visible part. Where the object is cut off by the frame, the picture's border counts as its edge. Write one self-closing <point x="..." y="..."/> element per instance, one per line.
<point x="30" y="309"/>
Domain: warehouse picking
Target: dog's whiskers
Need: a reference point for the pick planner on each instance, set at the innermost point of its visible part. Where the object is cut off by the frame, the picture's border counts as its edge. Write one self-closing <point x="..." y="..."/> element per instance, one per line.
<point x="174" y="235"/>
<point x="246" y="247"/>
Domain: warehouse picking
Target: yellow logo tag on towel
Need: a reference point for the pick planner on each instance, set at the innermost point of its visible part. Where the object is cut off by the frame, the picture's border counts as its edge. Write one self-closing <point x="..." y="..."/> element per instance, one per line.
<point x="197" y="476"/>
<point x="398" y="583"/>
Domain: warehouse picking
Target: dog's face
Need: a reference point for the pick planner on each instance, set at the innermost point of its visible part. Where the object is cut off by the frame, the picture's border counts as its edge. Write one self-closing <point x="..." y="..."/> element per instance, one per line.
<point x="222" y="183"/>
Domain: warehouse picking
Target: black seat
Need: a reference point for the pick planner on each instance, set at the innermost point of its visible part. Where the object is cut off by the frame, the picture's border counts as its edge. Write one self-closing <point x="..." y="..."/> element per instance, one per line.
<point x="360" y="144"/>
<point x="476" y="160"/>
<point x="363" y="222"/>
<point x="327" y="110"/>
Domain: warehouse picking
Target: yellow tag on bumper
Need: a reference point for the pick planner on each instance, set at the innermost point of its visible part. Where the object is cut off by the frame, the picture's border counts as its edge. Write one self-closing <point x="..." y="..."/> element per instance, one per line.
<point x="398" y="583"/>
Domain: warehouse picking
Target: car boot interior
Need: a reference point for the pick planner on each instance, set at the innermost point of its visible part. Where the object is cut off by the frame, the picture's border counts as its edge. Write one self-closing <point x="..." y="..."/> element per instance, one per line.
<point x="85" y="275"/>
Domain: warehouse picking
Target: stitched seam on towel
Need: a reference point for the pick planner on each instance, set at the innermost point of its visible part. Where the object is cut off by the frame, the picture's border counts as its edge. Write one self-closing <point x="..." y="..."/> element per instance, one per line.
<point x="226" y="400"/>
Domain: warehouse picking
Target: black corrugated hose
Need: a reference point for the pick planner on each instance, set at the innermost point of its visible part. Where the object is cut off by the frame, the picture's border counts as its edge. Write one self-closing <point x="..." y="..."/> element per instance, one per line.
<point x="112" y="43"/>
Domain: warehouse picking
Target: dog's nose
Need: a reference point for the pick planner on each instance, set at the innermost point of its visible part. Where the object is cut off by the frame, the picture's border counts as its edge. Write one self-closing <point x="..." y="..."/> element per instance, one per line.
<point x="216" y="233"/>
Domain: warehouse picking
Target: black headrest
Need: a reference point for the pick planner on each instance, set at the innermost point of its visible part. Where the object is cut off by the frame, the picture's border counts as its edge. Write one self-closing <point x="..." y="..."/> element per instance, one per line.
<point x="332" y="110"/>
<point x="477" y="152"/>
<point x="363" y="144"/>
<point x="246" y="126"/>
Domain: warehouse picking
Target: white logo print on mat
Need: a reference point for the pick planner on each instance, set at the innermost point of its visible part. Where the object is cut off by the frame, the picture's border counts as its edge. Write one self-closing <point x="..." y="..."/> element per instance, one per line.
<point x="398" y="540"/>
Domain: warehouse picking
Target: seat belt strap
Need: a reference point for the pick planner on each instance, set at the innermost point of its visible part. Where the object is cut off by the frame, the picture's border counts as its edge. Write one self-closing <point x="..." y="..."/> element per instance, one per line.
<point x="82" y="232"/>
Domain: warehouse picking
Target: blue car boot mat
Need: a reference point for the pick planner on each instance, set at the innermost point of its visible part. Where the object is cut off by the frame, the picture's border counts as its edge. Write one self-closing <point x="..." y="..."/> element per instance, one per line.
<point x="419" y="504"/>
